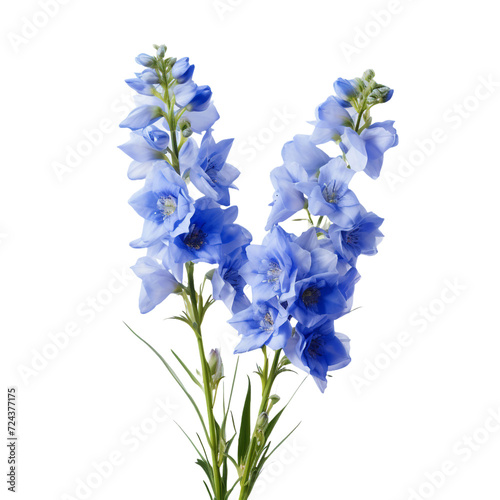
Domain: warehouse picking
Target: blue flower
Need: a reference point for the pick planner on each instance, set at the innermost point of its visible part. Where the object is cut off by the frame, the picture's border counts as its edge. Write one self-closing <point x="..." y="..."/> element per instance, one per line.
<point x="366" y="150"/>
<point x="345" y="89"/>
<point x="302" y="160"/>
<point x="288" y="198"/>
<point x="318" y="296"/>
<point x="145" y="82"/>
<point x="192" y="97"/>
<point x="156" y="138"/>
<point x="332" y="118"/>
<point x="228" y="284"/>
<point x="145" y="60"/>
<point x="272" y="267"/>
<point x="318" y="350"/>
<point x="330" y="195"/>
<point x="209" y="171"/>
<point x="147" y="145"/>
<point x="362" y="237"/>
<point x="141" y="169"/>
<point x="182" y="71"/>
<point x="263" y="323"/>
<point x="166" y="206"/>
<point x="157" y="283"/>
<point x="142" y="116"/>
<point x="234" y="238"/>
<point x="202" y="241"/>
<point x="349" y="276"/>
<point x="302" y="151"/>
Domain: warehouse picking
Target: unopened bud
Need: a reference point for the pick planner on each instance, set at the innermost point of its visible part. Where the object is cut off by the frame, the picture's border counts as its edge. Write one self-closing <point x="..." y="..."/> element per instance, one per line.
<point x="160" y="51"/>
<point x="380" y="94"/>
<point x="368" y="75"/>
<point x="359" y="84"/>
<point x="222" y="451"/>
<point x="215" y="366"/>
<point x="171" y="61"/>
<point x="272" y="401"/>
<point x="145" y="60"/>
<point x="262" y="421"/>
<point x="185" y="127"/>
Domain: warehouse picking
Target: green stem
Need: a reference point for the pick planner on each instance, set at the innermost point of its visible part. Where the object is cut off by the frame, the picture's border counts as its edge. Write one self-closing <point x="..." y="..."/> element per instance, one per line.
<point x="360" y="114"/>
<point x="170" y="118"/>
<point x="309" y="217"/>
<point x="207" y="386"/>
<point x="266" y="392"/>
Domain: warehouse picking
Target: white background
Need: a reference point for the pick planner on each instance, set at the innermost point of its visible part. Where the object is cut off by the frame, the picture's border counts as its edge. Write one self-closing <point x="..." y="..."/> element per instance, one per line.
<point x="384" y="424"/>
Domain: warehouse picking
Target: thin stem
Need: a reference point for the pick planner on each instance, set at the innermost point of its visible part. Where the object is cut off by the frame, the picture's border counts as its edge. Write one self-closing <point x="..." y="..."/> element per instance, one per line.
<point x="211" y="419"/>
<point x="309" y="217"/>
<point x="207" y="386"/>
<point x="266" y="392"/>
<point x="360" y="114"/>
<point x="170" y="117"/>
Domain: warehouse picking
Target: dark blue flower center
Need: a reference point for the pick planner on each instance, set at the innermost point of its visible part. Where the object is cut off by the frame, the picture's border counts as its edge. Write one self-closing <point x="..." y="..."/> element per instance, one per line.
<point x="232" y="277"/>
<point x="213" y="167"/>
<point x="352" y="237"/>
<point x="315" y="345"/>
<point x="273" y="274"/>
<point x="311" y="296"/>
<point x="196" y="238"/>
<point x="267" y="322"/>
<point x="330" y="194"/>
<point x="167" y="205"/>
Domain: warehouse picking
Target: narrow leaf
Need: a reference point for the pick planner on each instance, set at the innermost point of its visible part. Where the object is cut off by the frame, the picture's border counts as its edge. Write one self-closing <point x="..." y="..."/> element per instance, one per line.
<point x="190" y="440"/>
<point x="244" y="437"/>
<point x="188" y="371"/>
<point x="177" y="379"/>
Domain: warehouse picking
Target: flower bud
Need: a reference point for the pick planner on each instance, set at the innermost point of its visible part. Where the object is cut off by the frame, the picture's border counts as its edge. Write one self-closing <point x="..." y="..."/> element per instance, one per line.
<point x="215" y="366"/>
<point x="262" y="421"/>
<point x="145" y="60"/>
<point x="359" y="84"/>
<point x="182" y="71"/>
<point x="160" y="51"/>
<point x="185" y="127"/>
<point x="272" y="401"/>
<point x="170" y="61"/>
<point x="380" y="94"/>
<point x="345" y="89"/>
<point x="222" y="451"/>
<point x="369" y="75"/>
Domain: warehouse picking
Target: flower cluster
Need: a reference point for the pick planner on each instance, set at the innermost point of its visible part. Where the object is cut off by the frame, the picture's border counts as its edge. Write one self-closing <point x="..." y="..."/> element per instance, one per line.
<point x="302" y="284"/>
<point x="179" y="226"/>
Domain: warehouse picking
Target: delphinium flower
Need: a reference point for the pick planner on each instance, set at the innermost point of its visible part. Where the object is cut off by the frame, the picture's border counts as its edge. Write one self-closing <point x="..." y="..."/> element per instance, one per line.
<point x="178" y="228"/>
<point x="185" y="204"/>
<point x="313" y="276"/>
<point x="300" y="284"/>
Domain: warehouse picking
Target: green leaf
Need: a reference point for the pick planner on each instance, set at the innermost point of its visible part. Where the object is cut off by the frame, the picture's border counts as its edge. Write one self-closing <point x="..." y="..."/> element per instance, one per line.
<point x="177" y="379"/>
<point x="226" y="410"/>
<point x="208" y="491"/>
<point x="232" y="488"/>
<point x="188" y="371"/>
<point x="244" y="437"/>
<point x="207" y="468"/>
<point x="203" y="447"/>
<point x="181" y="318"/>
<point x="283" y="440"/>
<point x="274" y="421"/>
<point x="190" y="440"/>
